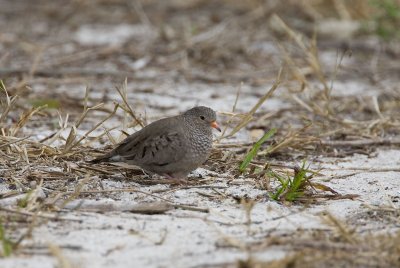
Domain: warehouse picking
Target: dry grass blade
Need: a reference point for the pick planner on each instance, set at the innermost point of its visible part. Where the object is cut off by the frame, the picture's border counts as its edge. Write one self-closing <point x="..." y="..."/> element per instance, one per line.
<point x="311" y="52"/>
<point x="25" y="117"/>
<point x="297" y="73"/>
<point x="292" y="138"/>
<point x="70" y="139"/>
<point x="110" y="137"/>
<point x="14" y="141"/>
<point x="40" y="215"/>
<point x="71" y="144"/>
<point x="361" y="143"/>
<point x="126" y="107"/>
<point x="151" y="208"/>
<point x="86" y="109"/>
<point x="341" y="228"/>
<point x="247" y="118"/>
<point x="98" y="124"/>
<point x="56" y="251"/>
<point x="232" y="114"/>
<point x="5" y="101"/>
<point x="77" y="192"/>
<point x="135" y="190"/>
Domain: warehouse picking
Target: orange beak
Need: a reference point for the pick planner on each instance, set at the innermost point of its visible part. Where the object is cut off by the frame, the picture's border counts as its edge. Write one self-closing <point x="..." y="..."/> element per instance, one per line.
<point x="215" y="125"/>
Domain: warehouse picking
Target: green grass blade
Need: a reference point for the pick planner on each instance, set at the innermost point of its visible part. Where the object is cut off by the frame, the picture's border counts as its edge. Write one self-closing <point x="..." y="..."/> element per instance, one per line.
<point x="299" y="179"/>
<point x="6" y="244"/>
<point x="254" y="150"/>
<point x="50" y="103"/>
<point x="2" y="86"/>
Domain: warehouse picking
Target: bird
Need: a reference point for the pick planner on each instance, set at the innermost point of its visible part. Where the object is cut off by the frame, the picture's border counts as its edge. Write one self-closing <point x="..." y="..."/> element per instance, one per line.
<point x="171" y="147"/>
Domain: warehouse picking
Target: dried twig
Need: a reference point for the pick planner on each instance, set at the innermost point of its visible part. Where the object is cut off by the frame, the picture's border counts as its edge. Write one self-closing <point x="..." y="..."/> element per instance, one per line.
<point x="361" y="143"/>
<point x="126" y="107"/>
<point x="246" y="119"/>
<point x="40" y="215"/>
<point x="14" y="141"/>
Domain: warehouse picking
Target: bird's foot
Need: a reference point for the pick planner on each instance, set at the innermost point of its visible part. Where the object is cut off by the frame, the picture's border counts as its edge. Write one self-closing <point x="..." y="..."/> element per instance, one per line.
<point x="175" y="180"/>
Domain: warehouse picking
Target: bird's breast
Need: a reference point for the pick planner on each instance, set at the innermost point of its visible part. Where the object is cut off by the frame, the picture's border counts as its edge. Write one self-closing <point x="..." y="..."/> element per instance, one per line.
<point x="200" y="146"/>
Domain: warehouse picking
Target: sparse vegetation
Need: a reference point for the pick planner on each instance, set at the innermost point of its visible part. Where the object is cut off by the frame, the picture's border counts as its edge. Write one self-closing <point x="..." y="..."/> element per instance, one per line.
<point x="387" y="18"/>
<point x="253" y="152"/>
<point x="291" y="188"/>
<point x="331" y="98"/>
<point x="5" y="242"/>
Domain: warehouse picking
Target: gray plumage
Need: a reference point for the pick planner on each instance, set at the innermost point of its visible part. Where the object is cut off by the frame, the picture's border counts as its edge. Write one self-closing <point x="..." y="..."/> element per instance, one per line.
<point x="172" y="146"/>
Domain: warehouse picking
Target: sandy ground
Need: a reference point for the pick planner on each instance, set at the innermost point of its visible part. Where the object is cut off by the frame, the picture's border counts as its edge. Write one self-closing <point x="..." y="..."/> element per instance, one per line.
<point x="182" y="238"/>
<point x="194" y="239"/>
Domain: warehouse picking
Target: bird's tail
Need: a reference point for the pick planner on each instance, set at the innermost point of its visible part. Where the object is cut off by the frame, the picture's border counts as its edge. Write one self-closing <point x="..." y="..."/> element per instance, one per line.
<point x="104" y="158"/>
<point x="95" y="161"/>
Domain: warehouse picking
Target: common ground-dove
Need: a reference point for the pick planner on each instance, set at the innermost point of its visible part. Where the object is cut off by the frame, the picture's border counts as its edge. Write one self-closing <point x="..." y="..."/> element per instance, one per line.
<point x="171" y="147"/>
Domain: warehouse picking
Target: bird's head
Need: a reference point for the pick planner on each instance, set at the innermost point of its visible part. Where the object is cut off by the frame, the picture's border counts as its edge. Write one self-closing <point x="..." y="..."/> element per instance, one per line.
<point x="203" y="116"/>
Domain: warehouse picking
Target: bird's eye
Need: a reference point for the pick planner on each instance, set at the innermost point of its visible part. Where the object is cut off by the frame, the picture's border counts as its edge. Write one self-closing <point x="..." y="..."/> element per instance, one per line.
<point x="202" y="117"/>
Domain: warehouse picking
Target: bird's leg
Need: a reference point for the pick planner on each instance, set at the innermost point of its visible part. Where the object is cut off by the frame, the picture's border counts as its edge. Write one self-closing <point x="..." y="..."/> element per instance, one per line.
<point x="168" y="176"/>
<point x="175" y="180"/>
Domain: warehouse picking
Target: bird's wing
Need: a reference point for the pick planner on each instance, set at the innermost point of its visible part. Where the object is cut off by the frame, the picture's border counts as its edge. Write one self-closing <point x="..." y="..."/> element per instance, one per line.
<point x="157" y="144"/>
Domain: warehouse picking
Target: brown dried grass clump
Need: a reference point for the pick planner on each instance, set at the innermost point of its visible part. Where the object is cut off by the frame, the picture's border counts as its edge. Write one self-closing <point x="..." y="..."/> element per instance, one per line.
<point x="343" y="247"/>
<point x="382" y="250"/>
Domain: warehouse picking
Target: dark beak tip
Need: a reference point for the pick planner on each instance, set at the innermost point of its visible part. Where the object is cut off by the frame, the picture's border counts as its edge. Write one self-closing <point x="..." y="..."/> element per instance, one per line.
<point x="215" y="125"/>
